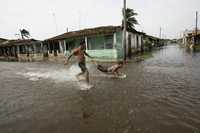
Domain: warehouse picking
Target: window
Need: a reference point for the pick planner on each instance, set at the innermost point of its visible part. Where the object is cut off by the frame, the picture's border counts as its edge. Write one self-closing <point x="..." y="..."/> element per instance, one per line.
<point x="22" y="49"/>
<point x="95" y="43"/>
<point x="38" y="48"/>
<point x="100" y="42"/>
<point x="71" y="45"/>
<point x="108" y="44"/>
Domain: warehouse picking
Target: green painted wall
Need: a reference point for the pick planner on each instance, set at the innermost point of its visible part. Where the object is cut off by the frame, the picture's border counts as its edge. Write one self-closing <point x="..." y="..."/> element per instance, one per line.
<point x="97" y="50"/>
<point x="118" y="46"/>
<point x="106" y="54"/>
<point x="95" y="43"/>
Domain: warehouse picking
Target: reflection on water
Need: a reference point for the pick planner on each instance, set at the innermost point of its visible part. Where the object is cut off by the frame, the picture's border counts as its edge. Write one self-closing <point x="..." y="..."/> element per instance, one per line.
<point x="160" y="94"/>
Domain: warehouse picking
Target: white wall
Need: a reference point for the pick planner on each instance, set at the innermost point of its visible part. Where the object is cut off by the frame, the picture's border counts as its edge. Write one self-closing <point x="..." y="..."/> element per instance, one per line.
<point x="134" y="40"/>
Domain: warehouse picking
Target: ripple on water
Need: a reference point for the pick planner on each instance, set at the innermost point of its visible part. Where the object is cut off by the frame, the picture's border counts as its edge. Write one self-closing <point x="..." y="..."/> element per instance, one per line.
<point x="160" y="94"/>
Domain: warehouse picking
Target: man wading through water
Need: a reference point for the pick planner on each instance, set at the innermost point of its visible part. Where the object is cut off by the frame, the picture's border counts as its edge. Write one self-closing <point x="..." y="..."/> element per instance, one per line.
<point x="80" y="54"/>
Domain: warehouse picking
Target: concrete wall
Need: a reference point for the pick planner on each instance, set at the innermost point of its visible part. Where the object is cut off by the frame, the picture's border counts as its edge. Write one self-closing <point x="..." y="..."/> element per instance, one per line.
<point x="135" y="42"/>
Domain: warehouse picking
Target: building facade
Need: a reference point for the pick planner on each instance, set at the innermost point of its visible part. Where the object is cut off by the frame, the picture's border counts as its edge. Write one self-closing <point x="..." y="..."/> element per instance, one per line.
<point x="190" y="38"/>
<point x="102" y="43"/>
<point x="21" y="50"/>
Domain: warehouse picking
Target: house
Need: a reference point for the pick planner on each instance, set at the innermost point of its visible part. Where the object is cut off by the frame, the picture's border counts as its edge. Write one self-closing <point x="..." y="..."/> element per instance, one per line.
<point x="135" y="42"/>
<point x="189" y="37"/>
<point x="21" y="50"/>
<point x="2" y="40"/>
<point x="104" y="43"/>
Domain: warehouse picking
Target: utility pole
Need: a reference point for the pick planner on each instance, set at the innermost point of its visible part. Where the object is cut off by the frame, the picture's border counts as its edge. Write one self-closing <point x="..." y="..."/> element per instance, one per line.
<point x="196" y="29"/>
<point x="160" y="33"/>
<point x="124" y="30"/>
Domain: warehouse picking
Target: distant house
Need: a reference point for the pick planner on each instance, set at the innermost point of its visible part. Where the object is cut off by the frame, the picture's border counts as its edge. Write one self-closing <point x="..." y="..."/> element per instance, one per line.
<point x="2" y="40"/>
<point x="103" y="43"/>
<point x="189" y="37"/>
<point x="152" y="41"/>
<point x="22" y="50"/>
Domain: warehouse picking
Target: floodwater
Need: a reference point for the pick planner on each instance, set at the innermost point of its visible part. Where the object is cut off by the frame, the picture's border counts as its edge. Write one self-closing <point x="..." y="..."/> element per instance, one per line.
<point x="159" y="95"/>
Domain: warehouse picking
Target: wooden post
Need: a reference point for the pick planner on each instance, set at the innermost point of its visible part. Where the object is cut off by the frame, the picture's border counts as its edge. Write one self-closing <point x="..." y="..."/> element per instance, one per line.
<point x="42" y="48"/>
<point x="60" y="46"/>
<point x="65" y="46"/>
<point x="86" y="43"/>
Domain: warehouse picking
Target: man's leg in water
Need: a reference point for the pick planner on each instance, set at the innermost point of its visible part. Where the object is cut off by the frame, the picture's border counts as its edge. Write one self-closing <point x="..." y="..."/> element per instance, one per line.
<point x="79" y="74"/>
<point x="84" y="70"/>
<point x="87" y="75"/>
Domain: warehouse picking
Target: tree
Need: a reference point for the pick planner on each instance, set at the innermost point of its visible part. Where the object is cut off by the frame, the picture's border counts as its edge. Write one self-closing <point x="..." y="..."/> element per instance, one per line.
<point x="131" y="21"/>
<point x="24" y="33"/>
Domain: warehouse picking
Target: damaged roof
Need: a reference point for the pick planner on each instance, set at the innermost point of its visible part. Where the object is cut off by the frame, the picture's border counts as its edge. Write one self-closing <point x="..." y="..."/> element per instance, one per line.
<point x="103" y="30"/>
<point x="153" y="37"/>
<point x="3" y="39"/>
<point x="17" y="42"/>
<point x="191" y="33"/>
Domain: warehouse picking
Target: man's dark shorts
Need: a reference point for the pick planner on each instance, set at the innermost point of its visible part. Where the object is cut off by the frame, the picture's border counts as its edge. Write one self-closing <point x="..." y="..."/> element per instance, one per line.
<point x="82" y="66"/>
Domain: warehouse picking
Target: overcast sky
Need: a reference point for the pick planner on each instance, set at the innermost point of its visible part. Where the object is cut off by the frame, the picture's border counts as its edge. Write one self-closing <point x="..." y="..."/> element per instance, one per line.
<point x="46" y="18"/>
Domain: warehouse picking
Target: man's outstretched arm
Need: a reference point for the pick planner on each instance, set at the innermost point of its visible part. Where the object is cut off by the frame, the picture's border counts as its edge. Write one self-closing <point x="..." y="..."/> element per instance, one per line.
<point x="87" y="54"/>
<point x="70" y="56"/>
<point x="66" y="60"/>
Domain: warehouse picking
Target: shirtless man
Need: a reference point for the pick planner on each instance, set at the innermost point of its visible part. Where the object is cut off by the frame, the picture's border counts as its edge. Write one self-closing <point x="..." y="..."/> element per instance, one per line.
<point x="80" y="54"/>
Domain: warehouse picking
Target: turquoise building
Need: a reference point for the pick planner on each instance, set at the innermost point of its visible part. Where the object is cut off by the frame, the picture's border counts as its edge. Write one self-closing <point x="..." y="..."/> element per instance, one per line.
<point x="103" y="43"/>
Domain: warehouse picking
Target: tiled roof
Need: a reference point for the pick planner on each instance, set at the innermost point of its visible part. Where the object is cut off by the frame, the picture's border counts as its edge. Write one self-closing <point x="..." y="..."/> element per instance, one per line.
<point x="2" y="39"/>
<point x="17" y="42"/>
<point x="88" y="32"/>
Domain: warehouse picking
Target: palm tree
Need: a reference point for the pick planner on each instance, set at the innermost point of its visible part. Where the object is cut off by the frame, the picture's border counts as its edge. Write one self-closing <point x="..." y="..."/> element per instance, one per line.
<point x="24" y="33"/>
<point x="131" y="21"/>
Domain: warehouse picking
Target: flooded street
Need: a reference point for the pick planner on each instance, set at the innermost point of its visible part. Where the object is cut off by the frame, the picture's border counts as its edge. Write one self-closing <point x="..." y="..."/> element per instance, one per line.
<point x="159" y="95"/>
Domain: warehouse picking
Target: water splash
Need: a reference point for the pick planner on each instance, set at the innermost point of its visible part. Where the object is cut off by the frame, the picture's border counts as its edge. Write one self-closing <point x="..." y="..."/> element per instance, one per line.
<point x="59" y="75"/>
